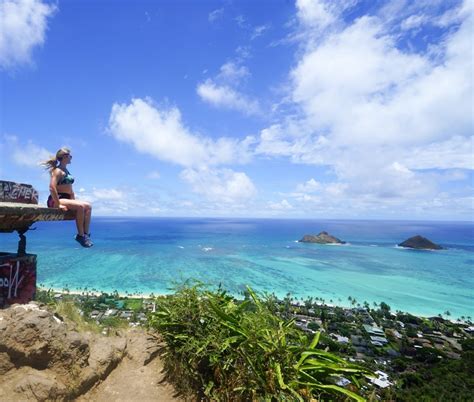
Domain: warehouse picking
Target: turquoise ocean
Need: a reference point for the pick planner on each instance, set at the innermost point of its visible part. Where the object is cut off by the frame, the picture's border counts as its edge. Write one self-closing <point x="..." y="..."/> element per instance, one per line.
<point x="145" y="255"/>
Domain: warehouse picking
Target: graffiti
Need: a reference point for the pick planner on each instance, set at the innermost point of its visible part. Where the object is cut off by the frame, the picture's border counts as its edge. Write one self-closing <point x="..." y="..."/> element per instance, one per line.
<point x="17" y="279"/>
<point x="13" y="281"/>
<point x="17" y="217"/>
<point x="17" y="192"/>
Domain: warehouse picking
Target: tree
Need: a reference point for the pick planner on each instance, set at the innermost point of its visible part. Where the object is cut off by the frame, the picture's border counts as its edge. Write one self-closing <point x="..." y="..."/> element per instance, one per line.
<point x="309" y="302"/>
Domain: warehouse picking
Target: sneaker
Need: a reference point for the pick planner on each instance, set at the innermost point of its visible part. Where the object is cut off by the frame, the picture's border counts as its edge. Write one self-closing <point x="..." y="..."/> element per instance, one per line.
<point x="83" y="241"/>
<point x="88" y="237"/>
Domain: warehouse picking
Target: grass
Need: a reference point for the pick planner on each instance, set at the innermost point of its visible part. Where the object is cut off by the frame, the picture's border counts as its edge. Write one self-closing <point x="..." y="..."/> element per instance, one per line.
<point x="133" y="304"/>
<point x="68" y="310"/>
<point x="223" y="350"/>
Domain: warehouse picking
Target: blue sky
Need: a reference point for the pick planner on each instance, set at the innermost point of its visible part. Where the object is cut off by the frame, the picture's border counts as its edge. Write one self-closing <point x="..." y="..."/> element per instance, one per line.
<point x="309" y="109"/>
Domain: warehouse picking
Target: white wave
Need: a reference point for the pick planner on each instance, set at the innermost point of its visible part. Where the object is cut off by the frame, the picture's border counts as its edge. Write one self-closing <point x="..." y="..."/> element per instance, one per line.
<point x="411" y="248"/>
<point x="180" y="247"/>
<point x="206" y="249"/>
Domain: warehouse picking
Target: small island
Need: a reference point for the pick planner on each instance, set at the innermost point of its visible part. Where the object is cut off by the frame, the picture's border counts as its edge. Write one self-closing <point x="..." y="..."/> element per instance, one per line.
<point x="420" y="243"/>
<point x="321" y="238"/>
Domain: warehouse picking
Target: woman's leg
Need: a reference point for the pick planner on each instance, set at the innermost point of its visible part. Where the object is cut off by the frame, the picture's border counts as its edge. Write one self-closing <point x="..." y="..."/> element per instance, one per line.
<point x="87" y="216"/>
<point x="78" y="207"/>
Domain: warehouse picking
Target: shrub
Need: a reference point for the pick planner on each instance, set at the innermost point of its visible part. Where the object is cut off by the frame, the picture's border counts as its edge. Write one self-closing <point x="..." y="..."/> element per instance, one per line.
<point x="222" y="349"/>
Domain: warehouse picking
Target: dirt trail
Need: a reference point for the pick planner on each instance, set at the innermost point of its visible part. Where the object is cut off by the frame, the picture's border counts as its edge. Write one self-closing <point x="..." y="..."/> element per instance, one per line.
<point x="138" y="377"/>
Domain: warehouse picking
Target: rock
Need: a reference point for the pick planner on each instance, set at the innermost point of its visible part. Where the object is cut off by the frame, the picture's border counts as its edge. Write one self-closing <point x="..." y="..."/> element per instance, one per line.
<point x="43" y="358"/>
<point x="420" y="243"/>
<point x="44" y="342"/>
<point x="142" y="349"/>
<point x="40" y="386"/>
<point x="321" y="238"/>
<point x="5" y="363"/>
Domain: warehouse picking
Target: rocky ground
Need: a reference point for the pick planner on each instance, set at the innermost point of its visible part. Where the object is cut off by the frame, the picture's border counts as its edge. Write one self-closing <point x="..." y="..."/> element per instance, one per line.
<point x="44" y="358"/>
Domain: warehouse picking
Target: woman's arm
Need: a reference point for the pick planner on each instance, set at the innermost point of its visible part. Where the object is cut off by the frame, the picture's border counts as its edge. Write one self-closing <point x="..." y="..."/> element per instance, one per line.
<point x="53" y="189"/>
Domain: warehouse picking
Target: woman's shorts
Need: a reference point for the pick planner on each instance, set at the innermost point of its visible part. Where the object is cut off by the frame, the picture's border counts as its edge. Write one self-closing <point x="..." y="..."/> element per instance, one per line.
<point x="50" y="202"/>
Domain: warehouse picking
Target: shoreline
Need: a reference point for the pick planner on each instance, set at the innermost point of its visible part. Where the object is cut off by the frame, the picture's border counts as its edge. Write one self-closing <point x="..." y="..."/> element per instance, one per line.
<point x="81" y="292"/>
<point x="296" y="302"/>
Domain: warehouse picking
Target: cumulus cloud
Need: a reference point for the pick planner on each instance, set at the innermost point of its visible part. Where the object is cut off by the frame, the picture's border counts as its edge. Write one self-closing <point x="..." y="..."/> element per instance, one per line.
<point x="108" y="194"/>
<point x="456" y="152"/>
<point x="117" y="201"/>
<point x="233" y="72"/>
<point x="24" y="24"/>
<point x="224" y="90"/>
<point x="224" y="185"/>
<point x="25" y="154"/>
<point x="160" y="132"/>
<point x="283" y="205"/>
<point x="311" y="186"/>
<point x="374" y="111"/>
<point x="315" y="13"/>
<point x="226" y="97"/>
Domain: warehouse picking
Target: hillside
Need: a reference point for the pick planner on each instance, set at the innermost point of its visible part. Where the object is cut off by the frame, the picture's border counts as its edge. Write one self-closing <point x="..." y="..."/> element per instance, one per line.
<point x="53" y="360"/>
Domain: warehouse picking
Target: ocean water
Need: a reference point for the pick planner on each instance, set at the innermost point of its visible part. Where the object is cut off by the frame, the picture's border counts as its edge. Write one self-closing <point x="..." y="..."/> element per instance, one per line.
<point x="145" y="255"/>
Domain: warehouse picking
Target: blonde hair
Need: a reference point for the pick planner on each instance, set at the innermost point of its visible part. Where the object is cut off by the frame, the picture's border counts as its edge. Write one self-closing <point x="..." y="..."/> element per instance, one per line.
<point x="53" y="162"/>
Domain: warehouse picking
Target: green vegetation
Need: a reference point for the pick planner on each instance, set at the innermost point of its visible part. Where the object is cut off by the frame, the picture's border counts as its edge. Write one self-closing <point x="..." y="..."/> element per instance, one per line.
<point x="133" y="304"/>
<point x="69" y="310"/>
<point x="45" y="296"/>
<point x="449" y="380"/>
<point x="222" y="349"/>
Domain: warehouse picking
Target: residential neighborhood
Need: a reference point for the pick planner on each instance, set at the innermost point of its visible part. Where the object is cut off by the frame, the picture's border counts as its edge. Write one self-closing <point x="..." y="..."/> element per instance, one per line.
<point x="394" y="345"/>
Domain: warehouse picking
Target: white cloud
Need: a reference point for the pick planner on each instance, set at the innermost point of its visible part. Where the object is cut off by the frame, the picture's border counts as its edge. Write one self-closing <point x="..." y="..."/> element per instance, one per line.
<point x="223" y="185"/>
<point x="108" y="194"/>
<point x="233" y="72"/>
<point x="413" y="21"/>
<point x="216" y="14"/>
<point x="24" y="24"/>
<point x="456" y="152"/>
<point x="259" y="31"/>
<point x="226" y="97"/>
<point x="283" y="205"/>
<point x="314" y="13"/>
<point x="241" y="21"/>
<point x="29" y="154"/>
<point x="375" y="112"/>
<point x="243" y="52"/>
<point x="154" y="175"/>
<point x="311" y="186"/>
<point x="115" y="201"/>
<point x="160" y="132"/>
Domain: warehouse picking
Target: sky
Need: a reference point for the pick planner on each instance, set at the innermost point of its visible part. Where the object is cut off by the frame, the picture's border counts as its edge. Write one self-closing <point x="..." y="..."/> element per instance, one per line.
<point x="343" y="109"/>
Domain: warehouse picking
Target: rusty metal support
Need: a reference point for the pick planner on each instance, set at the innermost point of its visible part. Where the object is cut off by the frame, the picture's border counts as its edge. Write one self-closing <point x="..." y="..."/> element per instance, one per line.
<point x="22" y="242"/>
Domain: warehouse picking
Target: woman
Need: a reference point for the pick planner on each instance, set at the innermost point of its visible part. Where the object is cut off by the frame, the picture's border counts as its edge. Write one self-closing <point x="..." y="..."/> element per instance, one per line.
<point x="62" y="194"/>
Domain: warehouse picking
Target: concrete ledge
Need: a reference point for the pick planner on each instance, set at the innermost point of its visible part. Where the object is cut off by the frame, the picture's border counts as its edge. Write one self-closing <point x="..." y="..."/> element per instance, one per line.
<point x="18" y="216"/>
